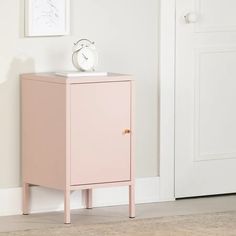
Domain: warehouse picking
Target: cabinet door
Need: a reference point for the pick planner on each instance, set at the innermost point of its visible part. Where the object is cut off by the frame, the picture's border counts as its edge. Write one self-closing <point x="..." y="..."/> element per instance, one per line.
<point x="100" y="150"/>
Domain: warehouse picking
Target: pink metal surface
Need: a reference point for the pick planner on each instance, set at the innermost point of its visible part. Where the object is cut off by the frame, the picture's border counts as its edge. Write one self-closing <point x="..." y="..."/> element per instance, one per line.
<point x="52" y="78"/>
<point x="25" y="198"/>
<point x="99" y="115"/>
<point x="132" y="154"/>
<point x="67" y="218"/>
<point x="101" y="185"/>
<point x="89" y="198"/>
<point x="44" y="133"/>
<point x="131" y="201"/>
<point x="77" y="134"/>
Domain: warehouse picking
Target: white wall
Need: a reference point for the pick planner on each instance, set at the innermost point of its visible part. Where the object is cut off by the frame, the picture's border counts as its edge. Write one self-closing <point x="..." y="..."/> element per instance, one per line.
<point x="126" y="34"/>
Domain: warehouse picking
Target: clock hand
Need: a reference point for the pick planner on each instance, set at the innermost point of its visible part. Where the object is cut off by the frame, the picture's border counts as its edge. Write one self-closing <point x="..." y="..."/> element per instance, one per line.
<point x="84" y="57"/>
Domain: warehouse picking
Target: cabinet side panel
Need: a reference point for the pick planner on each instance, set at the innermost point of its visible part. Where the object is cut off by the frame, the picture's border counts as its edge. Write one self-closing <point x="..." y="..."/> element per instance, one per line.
<point x="133" y="133"/>
<point x="43" y="133"/>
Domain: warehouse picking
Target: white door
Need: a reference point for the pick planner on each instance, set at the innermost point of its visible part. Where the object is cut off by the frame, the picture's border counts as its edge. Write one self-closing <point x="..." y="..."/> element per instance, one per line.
<point x="205" y="97"/>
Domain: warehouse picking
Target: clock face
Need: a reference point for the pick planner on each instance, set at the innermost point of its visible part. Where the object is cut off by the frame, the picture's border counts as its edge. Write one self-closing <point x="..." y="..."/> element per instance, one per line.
<point x="86" y="59"/>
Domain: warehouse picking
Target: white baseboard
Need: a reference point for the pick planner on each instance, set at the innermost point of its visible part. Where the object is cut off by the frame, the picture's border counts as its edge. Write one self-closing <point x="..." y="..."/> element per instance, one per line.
<point x="46" y="200"/>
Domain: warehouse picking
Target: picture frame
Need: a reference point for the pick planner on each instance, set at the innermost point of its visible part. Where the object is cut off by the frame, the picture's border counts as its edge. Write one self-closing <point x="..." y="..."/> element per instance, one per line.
<point x="47" y="18"/>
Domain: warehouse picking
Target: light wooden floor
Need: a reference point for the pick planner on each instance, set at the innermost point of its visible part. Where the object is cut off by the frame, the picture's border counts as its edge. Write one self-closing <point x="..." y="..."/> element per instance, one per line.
<point x="120" y="213"/>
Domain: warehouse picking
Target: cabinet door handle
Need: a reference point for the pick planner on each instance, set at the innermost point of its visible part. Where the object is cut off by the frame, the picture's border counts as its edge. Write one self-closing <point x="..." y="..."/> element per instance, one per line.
<point x="127" y="131"/>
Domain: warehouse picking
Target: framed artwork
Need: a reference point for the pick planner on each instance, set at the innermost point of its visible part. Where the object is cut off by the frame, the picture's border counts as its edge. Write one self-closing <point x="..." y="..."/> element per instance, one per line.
<point x="47" y="17"/>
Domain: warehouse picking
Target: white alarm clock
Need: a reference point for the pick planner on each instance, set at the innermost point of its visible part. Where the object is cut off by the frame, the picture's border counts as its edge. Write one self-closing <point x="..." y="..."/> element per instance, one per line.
<point x="85" y="56"/>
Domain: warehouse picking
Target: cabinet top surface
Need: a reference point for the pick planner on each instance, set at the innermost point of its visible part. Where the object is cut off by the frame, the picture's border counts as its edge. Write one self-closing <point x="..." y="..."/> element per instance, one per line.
<point x="53" y="78"/>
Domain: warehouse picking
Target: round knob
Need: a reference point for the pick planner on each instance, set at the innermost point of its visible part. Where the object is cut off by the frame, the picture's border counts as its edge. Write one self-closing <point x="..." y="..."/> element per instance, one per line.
<point x="191" y="18"/>
<point x="127" y="131"/>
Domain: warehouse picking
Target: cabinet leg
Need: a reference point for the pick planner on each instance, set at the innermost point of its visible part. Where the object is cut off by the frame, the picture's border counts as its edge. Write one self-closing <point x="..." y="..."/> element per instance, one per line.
<point x="67" y="219"/>
<point x="131" y="201"/>
<point x="25" y="198"/>
<point x="89" y="198"/>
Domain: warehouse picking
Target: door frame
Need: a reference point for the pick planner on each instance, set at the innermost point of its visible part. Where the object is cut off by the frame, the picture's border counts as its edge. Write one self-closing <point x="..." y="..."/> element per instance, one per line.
<point x="167" y="59"/>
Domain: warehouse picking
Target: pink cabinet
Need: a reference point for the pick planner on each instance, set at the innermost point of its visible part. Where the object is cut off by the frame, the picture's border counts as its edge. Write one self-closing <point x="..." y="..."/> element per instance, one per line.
<point x="77" y="133"/>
